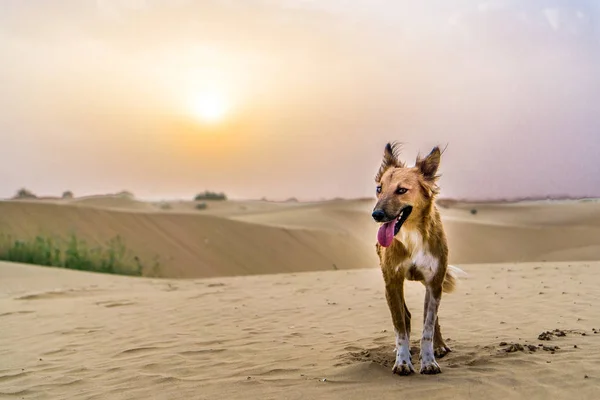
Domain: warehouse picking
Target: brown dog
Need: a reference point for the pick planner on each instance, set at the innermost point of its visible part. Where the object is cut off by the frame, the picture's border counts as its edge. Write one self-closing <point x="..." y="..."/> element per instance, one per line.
<point x="412" y="245"/>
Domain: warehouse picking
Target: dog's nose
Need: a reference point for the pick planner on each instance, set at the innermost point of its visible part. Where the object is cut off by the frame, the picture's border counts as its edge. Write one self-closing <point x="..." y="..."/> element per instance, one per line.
<point x="378" y="215"/>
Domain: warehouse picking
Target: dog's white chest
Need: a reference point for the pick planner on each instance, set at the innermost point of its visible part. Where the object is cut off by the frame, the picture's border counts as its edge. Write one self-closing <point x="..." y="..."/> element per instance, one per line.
<point x="418" y="253"/>
<point x="413" y="241"/>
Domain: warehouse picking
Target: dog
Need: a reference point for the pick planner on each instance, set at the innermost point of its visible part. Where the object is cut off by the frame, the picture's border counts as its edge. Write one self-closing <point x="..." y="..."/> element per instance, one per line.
<point x="411" y="245"/>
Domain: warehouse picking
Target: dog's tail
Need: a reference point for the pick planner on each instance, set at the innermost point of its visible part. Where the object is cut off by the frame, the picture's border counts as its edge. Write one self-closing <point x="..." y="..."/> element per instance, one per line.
<point x="451" y="278"/>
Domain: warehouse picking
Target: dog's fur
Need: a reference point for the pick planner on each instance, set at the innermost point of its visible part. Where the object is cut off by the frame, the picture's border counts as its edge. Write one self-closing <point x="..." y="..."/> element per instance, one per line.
<point x="419" y="252"/>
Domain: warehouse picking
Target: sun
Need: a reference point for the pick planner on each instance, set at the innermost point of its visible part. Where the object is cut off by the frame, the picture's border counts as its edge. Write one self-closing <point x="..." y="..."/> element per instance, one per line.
<point x="210" y="106"/>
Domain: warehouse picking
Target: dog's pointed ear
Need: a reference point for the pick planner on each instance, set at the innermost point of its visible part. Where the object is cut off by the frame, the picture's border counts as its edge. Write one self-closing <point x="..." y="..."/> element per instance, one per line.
<point x="390" y="159"/>
<point x="430" y="164"/>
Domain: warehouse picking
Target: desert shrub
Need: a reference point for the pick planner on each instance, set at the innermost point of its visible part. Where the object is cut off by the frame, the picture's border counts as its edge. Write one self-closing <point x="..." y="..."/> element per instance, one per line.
<point x="201" y="206"/>
<point x="125" y="194"/>
<point x="473" y="211"/>
<point x="208" y="195"/>
<point x="24" y="193"/>
<point x="67" y="195"/>
<point x="73" y="253"/>
<point x="165" y="205"/>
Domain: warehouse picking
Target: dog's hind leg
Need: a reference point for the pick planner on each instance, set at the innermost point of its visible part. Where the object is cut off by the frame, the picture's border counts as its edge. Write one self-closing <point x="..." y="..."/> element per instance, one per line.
<point x="407" y="318"/>
<point x="432" y="302"/>
<point x="394" y="291"/>
<point x="439" y="346"/>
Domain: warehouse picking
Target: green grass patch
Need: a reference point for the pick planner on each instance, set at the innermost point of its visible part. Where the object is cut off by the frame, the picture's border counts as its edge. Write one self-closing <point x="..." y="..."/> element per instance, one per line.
<point x="74" y="253"/>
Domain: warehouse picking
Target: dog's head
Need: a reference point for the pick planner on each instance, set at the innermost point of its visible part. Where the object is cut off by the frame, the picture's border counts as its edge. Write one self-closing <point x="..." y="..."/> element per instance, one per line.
<point x="404" y="194"/>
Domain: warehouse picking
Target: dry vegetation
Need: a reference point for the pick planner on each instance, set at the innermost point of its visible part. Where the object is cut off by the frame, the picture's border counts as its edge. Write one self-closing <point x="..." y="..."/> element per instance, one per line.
<point x="24" y="193"/>
<point x="208" y="195"/>
<point x="73" y="253"/>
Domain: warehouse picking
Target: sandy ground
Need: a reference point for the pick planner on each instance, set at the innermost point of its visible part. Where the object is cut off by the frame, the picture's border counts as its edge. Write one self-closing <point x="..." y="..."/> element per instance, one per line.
<point x="317" y="326"/>
<point x="74" y="335"/>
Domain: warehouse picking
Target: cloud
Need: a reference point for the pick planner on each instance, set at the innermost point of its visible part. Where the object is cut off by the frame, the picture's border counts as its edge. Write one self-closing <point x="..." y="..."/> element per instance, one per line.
<point x="492" y="5"/>
<point x="553" y="16"/>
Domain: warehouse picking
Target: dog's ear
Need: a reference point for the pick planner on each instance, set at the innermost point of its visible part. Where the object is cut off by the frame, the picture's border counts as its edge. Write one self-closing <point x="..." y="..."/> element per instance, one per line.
<point x="391" y="159"/>
<point x="430" y="164"/>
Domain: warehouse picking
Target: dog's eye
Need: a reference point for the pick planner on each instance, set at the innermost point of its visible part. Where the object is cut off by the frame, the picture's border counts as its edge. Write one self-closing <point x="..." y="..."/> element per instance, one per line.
<point x="401" y="190"/>
<point x="378" y="189"/>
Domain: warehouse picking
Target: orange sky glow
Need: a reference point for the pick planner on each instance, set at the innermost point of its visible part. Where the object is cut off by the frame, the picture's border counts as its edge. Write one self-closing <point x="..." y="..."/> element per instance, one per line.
<point x="297" y="98"/>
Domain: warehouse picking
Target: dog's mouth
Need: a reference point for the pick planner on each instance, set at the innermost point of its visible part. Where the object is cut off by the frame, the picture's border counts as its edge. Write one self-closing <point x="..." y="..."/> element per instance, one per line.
<point x="389" y="229"/>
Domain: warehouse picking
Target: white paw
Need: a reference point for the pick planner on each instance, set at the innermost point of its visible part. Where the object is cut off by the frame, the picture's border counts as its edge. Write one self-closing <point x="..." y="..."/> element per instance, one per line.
<point x="428" y="364"/>
<point x="403" y="365"/>
<point x="430" y="368"/>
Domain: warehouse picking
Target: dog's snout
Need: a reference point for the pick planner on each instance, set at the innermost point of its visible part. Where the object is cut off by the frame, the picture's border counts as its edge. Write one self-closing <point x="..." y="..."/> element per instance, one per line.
<point x="378" y="215"/>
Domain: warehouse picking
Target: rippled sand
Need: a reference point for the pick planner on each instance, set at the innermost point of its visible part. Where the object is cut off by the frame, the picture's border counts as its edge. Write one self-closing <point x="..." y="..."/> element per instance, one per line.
<point x="76" y="335"/>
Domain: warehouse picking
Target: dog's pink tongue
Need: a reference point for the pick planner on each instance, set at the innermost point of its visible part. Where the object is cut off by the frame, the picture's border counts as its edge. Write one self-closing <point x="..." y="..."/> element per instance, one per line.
<point x="385" y="236"/>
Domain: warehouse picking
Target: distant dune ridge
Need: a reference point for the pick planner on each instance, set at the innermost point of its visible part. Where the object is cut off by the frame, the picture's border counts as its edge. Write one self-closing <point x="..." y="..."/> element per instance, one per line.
<point x="218" y="241"/>
<point x="232" y="238"/>
<point x="519" y="327"/>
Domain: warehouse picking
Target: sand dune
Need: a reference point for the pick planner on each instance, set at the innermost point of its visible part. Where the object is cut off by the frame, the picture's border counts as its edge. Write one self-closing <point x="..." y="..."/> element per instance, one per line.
<point x="328" y="335"/>
<point x="232" y="238"/>
<point x="113" y="202"/>
<point x="193" y="245"/>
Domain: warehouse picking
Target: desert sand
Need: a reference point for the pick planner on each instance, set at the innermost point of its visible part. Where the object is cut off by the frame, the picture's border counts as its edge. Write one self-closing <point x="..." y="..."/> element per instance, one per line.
<point x="285" y="301"/>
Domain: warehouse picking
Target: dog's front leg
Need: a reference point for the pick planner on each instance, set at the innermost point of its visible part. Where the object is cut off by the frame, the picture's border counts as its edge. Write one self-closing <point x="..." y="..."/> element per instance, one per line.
<point x="432" y="302"/>
<point x="394" y="291"/>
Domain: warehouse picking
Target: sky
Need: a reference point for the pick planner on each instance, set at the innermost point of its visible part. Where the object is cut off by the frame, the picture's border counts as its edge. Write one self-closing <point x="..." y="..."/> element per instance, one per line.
<point x="297" y="98"/>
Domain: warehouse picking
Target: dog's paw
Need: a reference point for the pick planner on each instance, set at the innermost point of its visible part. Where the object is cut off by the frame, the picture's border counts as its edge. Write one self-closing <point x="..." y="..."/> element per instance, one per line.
<point x="428" y="364"/>
<point x="403" y="368"/>
<point x="441" y="351"/>
<point x="430" y="368"/>
<point x="403" y="365"/>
